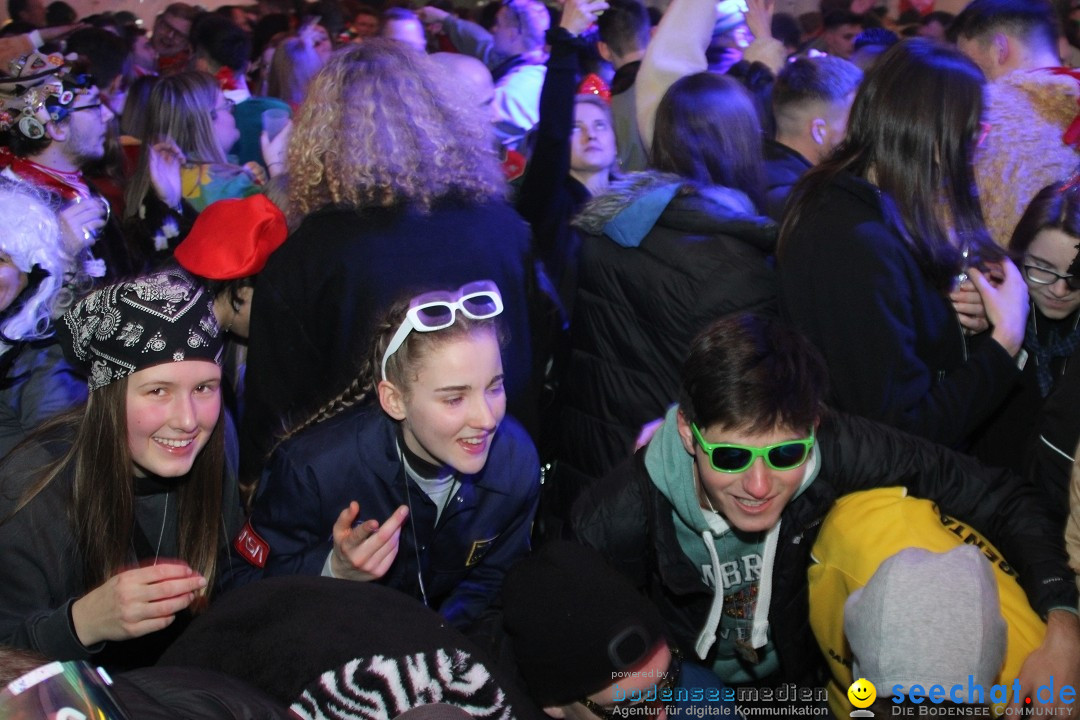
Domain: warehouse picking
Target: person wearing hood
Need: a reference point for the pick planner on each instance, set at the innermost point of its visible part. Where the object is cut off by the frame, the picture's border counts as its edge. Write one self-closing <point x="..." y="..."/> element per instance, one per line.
<point x="715" y="518"/>
<point x="662" y="255"/>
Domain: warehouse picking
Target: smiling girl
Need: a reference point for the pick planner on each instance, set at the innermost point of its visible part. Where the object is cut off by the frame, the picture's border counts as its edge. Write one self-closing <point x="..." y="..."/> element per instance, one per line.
<point x="111" y="516"/>
<point x="432" y="492"/>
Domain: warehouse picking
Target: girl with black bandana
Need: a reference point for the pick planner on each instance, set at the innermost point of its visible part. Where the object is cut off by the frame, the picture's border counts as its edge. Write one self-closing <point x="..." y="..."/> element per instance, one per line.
<point x="111" y="516"/>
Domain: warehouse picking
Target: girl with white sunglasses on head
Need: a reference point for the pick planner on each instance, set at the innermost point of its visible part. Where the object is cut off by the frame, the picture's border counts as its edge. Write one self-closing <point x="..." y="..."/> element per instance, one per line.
<point x="432" y="492"/>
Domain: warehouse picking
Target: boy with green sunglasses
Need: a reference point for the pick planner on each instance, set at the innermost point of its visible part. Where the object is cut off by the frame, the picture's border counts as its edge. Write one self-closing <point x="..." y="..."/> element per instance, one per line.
<point x="716" y="516"/>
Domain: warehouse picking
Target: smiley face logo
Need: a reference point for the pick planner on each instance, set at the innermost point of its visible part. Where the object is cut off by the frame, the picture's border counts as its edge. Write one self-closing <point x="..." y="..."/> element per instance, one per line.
<point x="862" y="693"/>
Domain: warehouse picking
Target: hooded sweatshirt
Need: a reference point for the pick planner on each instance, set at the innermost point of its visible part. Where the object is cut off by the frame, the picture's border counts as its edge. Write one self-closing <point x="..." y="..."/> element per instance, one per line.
<point x="735" y="565"/>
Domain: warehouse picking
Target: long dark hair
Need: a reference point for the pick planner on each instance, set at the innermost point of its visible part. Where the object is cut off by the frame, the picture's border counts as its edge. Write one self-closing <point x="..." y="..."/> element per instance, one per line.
<point x="708" y="130"/>
<point x="912" y="132"/>
<point x="1056" y="207"/>
<point x="101" y="510"/>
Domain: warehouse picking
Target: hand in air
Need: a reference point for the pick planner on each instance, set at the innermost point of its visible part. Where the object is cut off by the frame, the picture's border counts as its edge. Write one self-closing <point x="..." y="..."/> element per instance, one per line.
<point x="365" y="552"/>
<point x="164" y="162"/>
<point x="1006" y="303"/>
<point x="579" y="15"/>
<point x="80" y="223"/>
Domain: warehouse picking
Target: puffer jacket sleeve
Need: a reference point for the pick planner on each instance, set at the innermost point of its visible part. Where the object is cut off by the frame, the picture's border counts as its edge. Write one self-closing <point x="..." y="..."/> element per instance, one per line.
<point x="859" y="454"/>
<point x="611" y="516"/>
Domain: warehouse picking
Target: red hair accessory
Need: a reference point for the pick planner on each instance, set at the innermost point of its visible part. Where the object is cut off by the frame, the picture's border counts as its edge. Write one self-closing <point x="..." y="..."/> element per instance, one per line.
<point x="226" y="79"/>
<point x="232" y="238"/>
<point x="593" y="84"/>
<point x="1072" y="133"/>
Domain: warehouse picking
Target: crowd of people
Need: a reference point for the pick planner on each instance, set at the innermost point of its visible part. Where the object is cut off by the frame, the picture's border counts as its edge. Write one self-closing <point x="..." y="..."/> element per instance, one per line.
<point x="582" y="361"/>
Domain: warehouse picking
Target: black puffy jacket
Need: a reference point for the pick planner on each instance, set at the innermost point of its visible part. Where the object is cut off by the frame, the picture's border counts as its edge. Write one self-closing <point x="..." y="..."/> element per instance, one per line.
<point x="630" y="522"/>
<point x="641" y="298"/>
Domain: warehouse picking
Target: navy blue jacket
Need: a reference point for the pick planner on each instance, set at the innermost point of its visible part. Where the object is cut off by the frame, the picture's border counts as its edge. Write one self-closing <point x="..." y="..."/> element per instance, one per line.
<point x="320" y="297"/>
<point x="313" y="476"/>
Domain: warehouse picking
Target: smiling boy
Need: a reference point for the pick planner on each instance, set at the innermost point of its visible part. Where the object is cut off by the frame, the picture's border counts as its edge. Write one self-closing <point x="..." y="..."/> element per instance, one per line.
<point x="715" y="518"/>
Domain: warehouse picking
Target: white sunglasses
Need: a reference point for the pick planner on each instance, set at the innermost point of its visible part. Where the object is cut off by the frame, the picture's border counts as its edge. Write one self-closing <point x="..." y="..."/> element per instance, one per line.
<point x="433" y="311"/>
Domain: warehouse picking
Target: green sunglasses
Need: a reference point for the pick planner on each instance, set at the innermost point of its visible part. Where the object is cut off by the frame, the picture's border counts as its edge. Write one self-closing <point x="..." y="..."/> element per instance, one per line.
<point x="731" y="458"/>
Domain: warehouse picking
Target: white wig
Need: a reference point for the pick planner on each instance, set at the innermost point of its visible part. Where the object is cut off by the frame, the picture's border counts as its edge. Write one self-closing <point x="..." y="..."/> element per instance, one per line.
<point x="31" y="237"/>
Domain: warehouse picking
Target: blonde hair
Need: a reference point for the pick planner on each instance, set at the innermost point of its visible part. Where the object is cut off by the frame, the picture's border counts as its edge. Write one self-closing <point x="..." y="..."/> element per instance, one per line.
<point x="180" y="108"/>
<point x="293" y="66"/>
<point x="381" y="126"/>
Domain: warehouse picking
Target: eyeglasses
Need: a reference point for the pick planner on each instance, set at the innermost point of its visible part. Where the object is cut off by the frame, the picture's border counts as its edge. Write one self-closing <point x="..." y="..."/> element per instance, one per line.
<point x="438" y="310"/>
<point x="227" y="106"/>
<point x="92" y="106"/>
<point x="1045" y="276"/>
<point x="663" y="688"/>
<point x="732" y="458"/>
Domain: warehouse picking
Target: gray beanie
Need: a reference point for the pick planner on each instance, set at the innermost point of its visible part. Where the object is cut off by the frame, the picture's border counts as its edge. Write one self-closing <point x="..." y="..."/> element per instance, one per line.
<point x="926" y="619"/>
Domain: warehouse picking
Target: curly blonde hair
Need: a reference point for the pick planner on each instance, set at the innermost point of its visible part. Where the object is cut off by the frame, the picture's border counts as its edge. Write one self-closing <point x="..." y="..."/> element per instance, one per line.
<point x="382" y="126"/>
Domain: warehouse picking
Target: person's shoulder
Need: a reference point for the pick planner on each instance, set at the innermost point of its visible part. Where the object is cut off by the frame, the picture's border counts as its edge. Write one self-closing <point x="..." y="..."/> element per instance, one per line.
<point x="337" y="439"/>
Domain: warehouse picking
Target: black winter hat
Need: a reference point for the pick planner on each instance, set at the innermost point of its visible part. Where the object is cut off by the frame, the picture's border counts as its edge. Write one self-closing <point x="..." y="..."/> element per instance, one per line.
<point x="573" y="622"/>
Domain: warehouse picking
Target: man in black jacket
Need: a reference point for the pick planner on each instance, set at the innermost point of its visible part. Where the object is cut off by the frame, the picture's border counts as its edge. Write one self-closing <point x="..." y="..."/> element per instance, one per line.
<point x="716" y="517"/>
<point x="811" y="101"/>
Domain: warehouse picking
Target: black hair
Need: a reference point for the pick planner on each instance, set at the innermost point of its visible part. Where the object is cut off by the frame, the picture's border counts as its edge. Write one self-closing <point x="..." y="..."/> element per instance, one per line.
<point x="708" y="130"/>
<point x="785" y="28"/>
<point x="1033" y="21"/>
<point x="819" y="79"/>
<point x="919" y="153"/>
<point x="624" y="27"/>
<point x="108" y="54"/>
<point x="876" y="36"/>
<point x="222" y="41"/>
<point x="839" y="18"/>
<point x="60" y="13"/>
<point x="1055" y="207"/>
<point x="752" y="372"/>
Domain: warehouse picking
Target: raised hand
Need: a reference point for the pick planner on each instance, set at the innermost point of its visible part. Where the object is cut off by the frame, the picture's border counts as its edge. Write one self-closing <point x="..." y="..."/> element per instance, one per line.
<point x="80" y="223"/>
<point x="165" y="160"/>
<point x="579" y="15"/>
<point x="1006" y="303"/>
<point x="365" y="552"/>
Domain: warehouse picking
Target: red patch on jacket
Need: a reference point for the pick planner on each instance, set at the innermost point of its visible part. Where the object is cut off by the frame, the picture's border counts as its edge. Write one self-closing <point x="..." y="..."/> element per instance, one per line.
<point x="252" y="547"/>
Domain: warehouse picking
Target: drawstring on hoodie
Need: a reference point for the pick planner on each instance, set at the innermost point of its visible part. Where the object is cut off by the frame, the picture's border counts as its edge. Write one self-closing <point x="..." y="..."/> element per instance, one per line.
<point x="707" y="636"/>
<point x="759" y="633"/>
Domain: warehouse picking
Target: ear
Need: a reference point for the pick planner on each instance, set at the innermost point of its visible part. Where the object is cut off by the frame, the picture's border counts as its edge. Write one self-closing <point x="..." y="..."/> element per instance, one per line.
<point x="555" y="712"/>
<point x="1002" y="48"/>
<point x="685" y="433"/>
<point x="200" y="63"/>
<point x="392" y="399"/>
<point x="245" y="294"/>
<point x="605" y="51"/>
<point x="57" y="131"/>
<point x="819" y="130"/>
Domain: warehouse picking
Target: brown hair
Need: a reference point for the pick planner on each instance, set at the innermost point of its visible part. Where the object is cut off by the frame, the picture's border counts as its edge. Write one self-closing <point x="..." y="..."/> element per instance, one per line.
<point x="180" y="108"/>
<point x="751" y="372"/>
<point x="401" y="367"/>
<point x="102" y="504"/>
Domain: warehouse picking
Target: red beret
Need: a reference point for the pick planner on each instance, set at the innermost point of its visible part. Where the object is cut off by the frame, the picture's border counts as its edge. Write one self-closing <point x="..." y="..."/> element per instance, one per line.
<point x="232" y="238"/>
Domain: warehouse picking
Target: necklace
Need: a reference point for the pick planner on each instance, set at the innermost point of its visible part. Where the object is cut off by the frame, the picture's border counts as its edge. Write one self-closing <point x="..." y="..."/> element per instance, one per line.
<point x="161" y="535"/>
